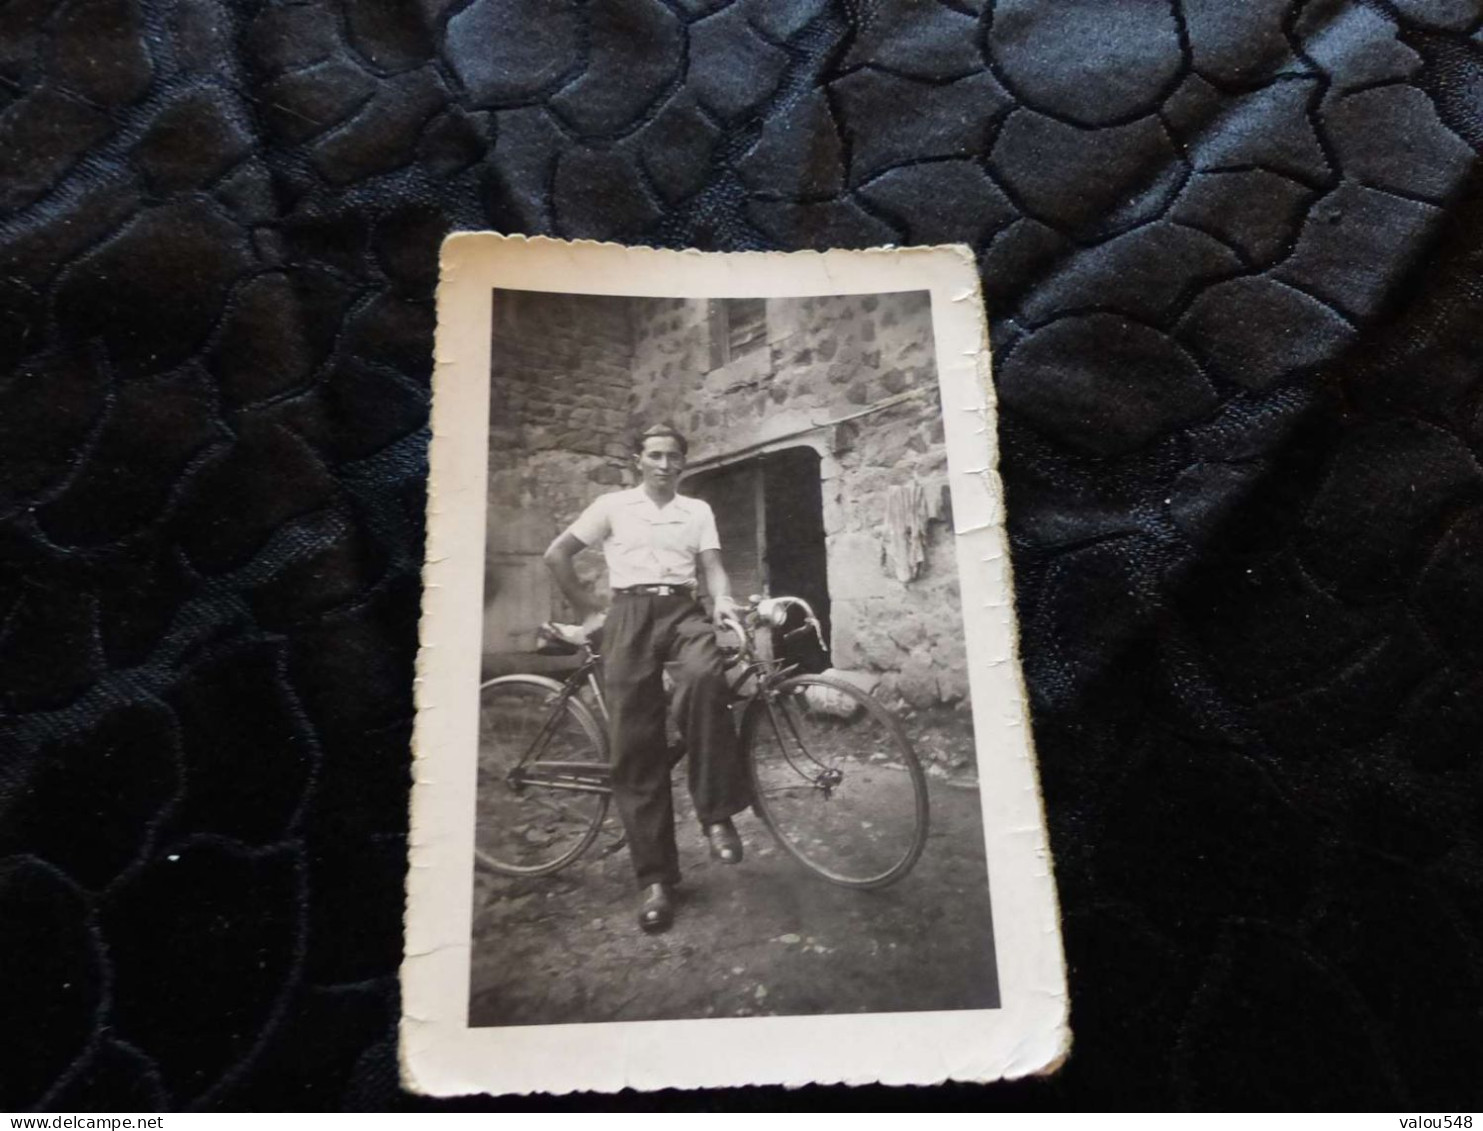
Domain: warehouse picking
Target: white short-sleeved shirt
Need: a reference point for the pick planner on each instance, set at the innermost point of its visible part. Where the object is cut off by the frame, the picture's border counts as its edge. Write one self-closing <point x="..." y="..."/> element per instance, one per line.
<point x="645" y="544"/>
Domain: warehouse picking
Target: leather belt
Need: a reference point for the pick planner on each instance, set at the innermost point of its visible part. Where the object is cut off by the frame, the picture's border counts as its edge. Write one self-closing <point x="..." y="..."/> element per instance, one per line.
<point x="656" y="590"/>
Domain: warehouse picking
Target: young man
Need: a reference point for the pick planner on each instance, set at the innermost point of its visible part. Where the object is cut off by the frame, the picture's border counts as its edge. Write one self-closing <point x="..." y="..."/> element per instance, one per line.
<point x="656" y="542"/>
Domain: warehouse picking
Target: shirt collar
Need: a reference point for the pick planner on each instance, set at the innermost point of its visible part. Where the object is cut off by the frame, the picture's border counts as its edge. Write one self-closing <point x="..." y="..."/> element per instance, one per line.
<point x="637" y="496"/>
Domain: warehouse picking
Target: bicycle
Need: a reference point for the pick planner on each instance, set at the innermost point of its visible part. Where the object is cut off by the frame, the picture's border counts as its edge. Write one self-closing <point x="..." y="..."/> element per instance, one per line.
<point x="834" y="777"/>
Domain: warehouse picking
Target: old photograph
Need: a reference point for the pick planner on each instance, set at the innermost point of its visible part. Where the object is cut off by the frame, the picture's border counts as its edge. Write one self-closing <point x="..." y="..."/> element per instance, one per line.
<point x="772" y="470"/>
<point x="723" y="753"/>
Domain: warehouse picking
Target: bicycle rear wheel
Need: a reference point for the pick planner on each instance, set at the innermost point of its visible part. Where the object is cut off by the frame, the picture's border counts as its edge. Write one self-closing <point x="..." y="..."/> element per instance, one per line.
<point x="836" y="781"/>
<point x="532" y="827"/>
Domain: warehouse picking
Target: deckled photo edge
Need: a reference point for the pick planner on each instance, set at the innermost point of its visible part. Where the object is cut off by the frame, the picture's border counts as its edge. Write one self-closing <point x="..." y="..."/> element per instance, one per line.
<point x="1051" y="1045"/>
<point x="1054" y="1047"/>
<point x="453" y="252"/>
<point x="473" y="264"/>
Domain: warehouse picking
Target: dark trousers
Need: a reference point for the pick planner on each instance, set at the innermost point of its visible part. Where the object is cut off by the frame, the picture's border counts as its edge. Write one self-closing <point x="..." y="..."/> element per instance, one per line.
<point x="642" y="633"/>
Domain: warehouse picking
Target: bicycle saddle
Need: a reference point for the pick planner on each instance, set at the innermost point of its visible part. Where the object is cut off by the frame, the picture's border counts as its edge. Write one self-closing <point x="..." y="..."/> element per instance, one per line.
<point x="554" y="639"/>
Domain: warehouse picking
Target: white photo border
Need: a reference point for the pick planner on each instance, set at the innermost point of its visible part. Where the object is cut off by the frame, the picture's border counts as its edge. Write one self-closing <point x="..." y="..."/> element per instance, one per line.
<point x="440" y="1054"/>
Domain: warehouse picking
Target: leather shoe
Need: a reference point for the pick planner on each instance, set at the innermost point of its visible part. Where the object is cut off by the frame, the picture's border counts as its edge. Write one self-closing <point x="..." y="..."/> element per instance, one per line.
<point x="657" y="912"/>
<point x="726" y="846"/>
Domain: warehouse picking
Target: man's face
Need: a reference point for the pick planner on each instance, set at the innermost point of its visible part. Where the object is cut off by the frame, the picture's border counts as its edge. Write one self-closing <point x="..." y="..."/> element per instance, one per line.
<point x="661" y="462"/>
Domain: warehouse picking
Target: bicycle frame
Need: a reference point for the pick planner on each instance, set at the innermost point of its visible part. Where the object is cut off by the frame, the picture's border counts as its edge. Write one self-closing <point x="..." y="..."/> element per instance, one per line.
<point x="579" y="777"/>
<point x="596" y="777"/>
<point x="762" y="686"/>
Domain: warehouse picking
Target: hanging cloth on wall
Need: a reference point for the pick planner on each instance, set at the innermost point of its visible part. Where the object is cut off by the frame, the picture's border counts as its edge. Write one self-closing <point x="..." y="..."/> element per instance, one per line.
<point x="906" y="531"/>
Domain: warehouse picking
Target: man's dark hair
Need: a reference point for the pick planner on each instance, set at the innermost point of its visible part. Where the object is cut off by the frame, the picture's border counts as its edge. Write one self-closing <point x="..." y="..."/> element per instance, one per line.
<point x="654" y="430"/>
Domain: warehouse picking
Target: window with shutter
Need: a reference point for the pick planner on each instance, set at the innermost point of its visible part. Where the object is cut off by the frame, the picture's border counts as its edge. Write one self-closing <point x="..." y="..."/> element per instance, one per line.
<point x="746" y="325"/>
<point x="738" y="327"/>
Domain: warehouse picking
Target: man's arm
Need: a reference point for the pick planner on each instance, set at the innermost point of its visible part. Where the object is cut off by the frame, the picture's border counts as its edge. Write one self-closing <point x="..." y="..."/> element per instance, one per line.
<point x="558" y="559"/>
<point x="718" y="585"/>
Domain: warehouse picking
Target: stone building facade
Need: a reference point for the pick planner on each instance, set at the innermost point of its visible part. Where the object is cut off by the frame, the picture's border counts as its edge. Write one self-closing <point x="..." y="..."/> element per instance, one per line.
<point x="838" y="389"/>
<point x="559" y="402"/>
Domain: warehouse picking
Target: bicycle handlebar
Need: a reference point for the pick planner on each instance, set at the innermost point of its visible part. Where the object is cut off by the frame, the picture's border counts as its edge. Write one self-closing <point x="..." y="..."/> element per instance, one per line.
<point x="808" y="611"/>
<point x="811" y="622"/>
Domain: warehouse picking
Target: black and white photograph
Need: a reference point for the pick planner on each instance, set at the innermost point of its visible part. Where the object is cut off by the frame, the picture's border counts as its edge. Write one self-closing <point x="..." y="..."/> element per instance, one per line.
<point x="726" y="758"/>
<point x="744" y="501"/>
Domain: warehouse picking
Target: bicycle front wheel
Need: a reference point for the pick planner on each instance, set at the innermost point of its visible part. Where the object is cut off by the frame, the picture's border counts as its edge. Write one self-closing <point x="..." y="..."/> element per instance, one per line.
<point x="836" y="781"/>
<point x="542" y="771"/>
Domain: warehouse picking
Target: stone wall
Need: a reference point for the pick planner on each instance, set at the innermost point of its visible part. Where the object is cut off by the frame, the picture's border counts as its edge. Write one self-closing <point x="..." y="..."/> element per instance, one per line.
<point x="823" y="358"/>
<point x="560" y="387"/>
<point x="855" y="378"/>
<point x="909" y="632"/>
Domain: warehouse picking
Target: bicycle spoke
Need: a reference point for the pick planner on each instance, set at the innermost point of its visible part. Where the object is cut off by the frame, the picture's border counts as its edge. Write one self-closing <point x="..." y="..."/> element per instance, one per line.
<point x="837" y="783"/>
<point x="535" y="826"/>
<point x="570" y="812"/>
<point x="773" y="710"/>
<point x="793" y="729"/>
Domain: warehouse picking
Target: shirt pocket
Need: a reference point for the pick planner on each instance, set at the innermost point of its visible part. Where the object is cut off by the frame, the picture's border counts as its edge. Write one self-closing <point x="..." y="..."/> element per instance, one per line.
<point x="635" y="536"/>
<point x="671" y="535"/>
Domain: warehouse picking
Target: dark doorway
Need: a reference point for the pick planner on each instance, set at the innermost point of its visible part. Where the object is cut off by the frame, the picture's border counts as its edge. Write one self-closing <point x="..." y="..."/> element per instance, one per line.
<point x="770" y="516"/>
<point x="796" y="561"/>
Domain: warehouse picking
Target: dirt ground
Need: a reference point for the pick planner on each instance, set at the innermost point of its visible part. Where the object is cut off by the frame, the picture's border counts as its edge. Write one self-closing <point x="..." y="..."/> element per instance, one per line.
<point x="763" y="937"/>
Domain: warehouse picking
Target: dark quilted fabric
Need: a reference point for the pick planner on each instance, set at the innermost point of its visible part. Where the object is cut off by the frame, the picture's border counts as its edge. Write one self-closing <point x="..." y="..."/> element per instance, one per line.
<point x="1234" y="254"/>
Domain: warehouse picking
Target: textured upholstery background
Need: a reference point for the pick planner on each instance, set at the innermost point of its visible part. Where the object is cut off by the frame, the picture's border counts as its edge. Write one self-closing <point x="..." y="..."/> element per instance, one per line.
<point x="1234" y="253"/>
